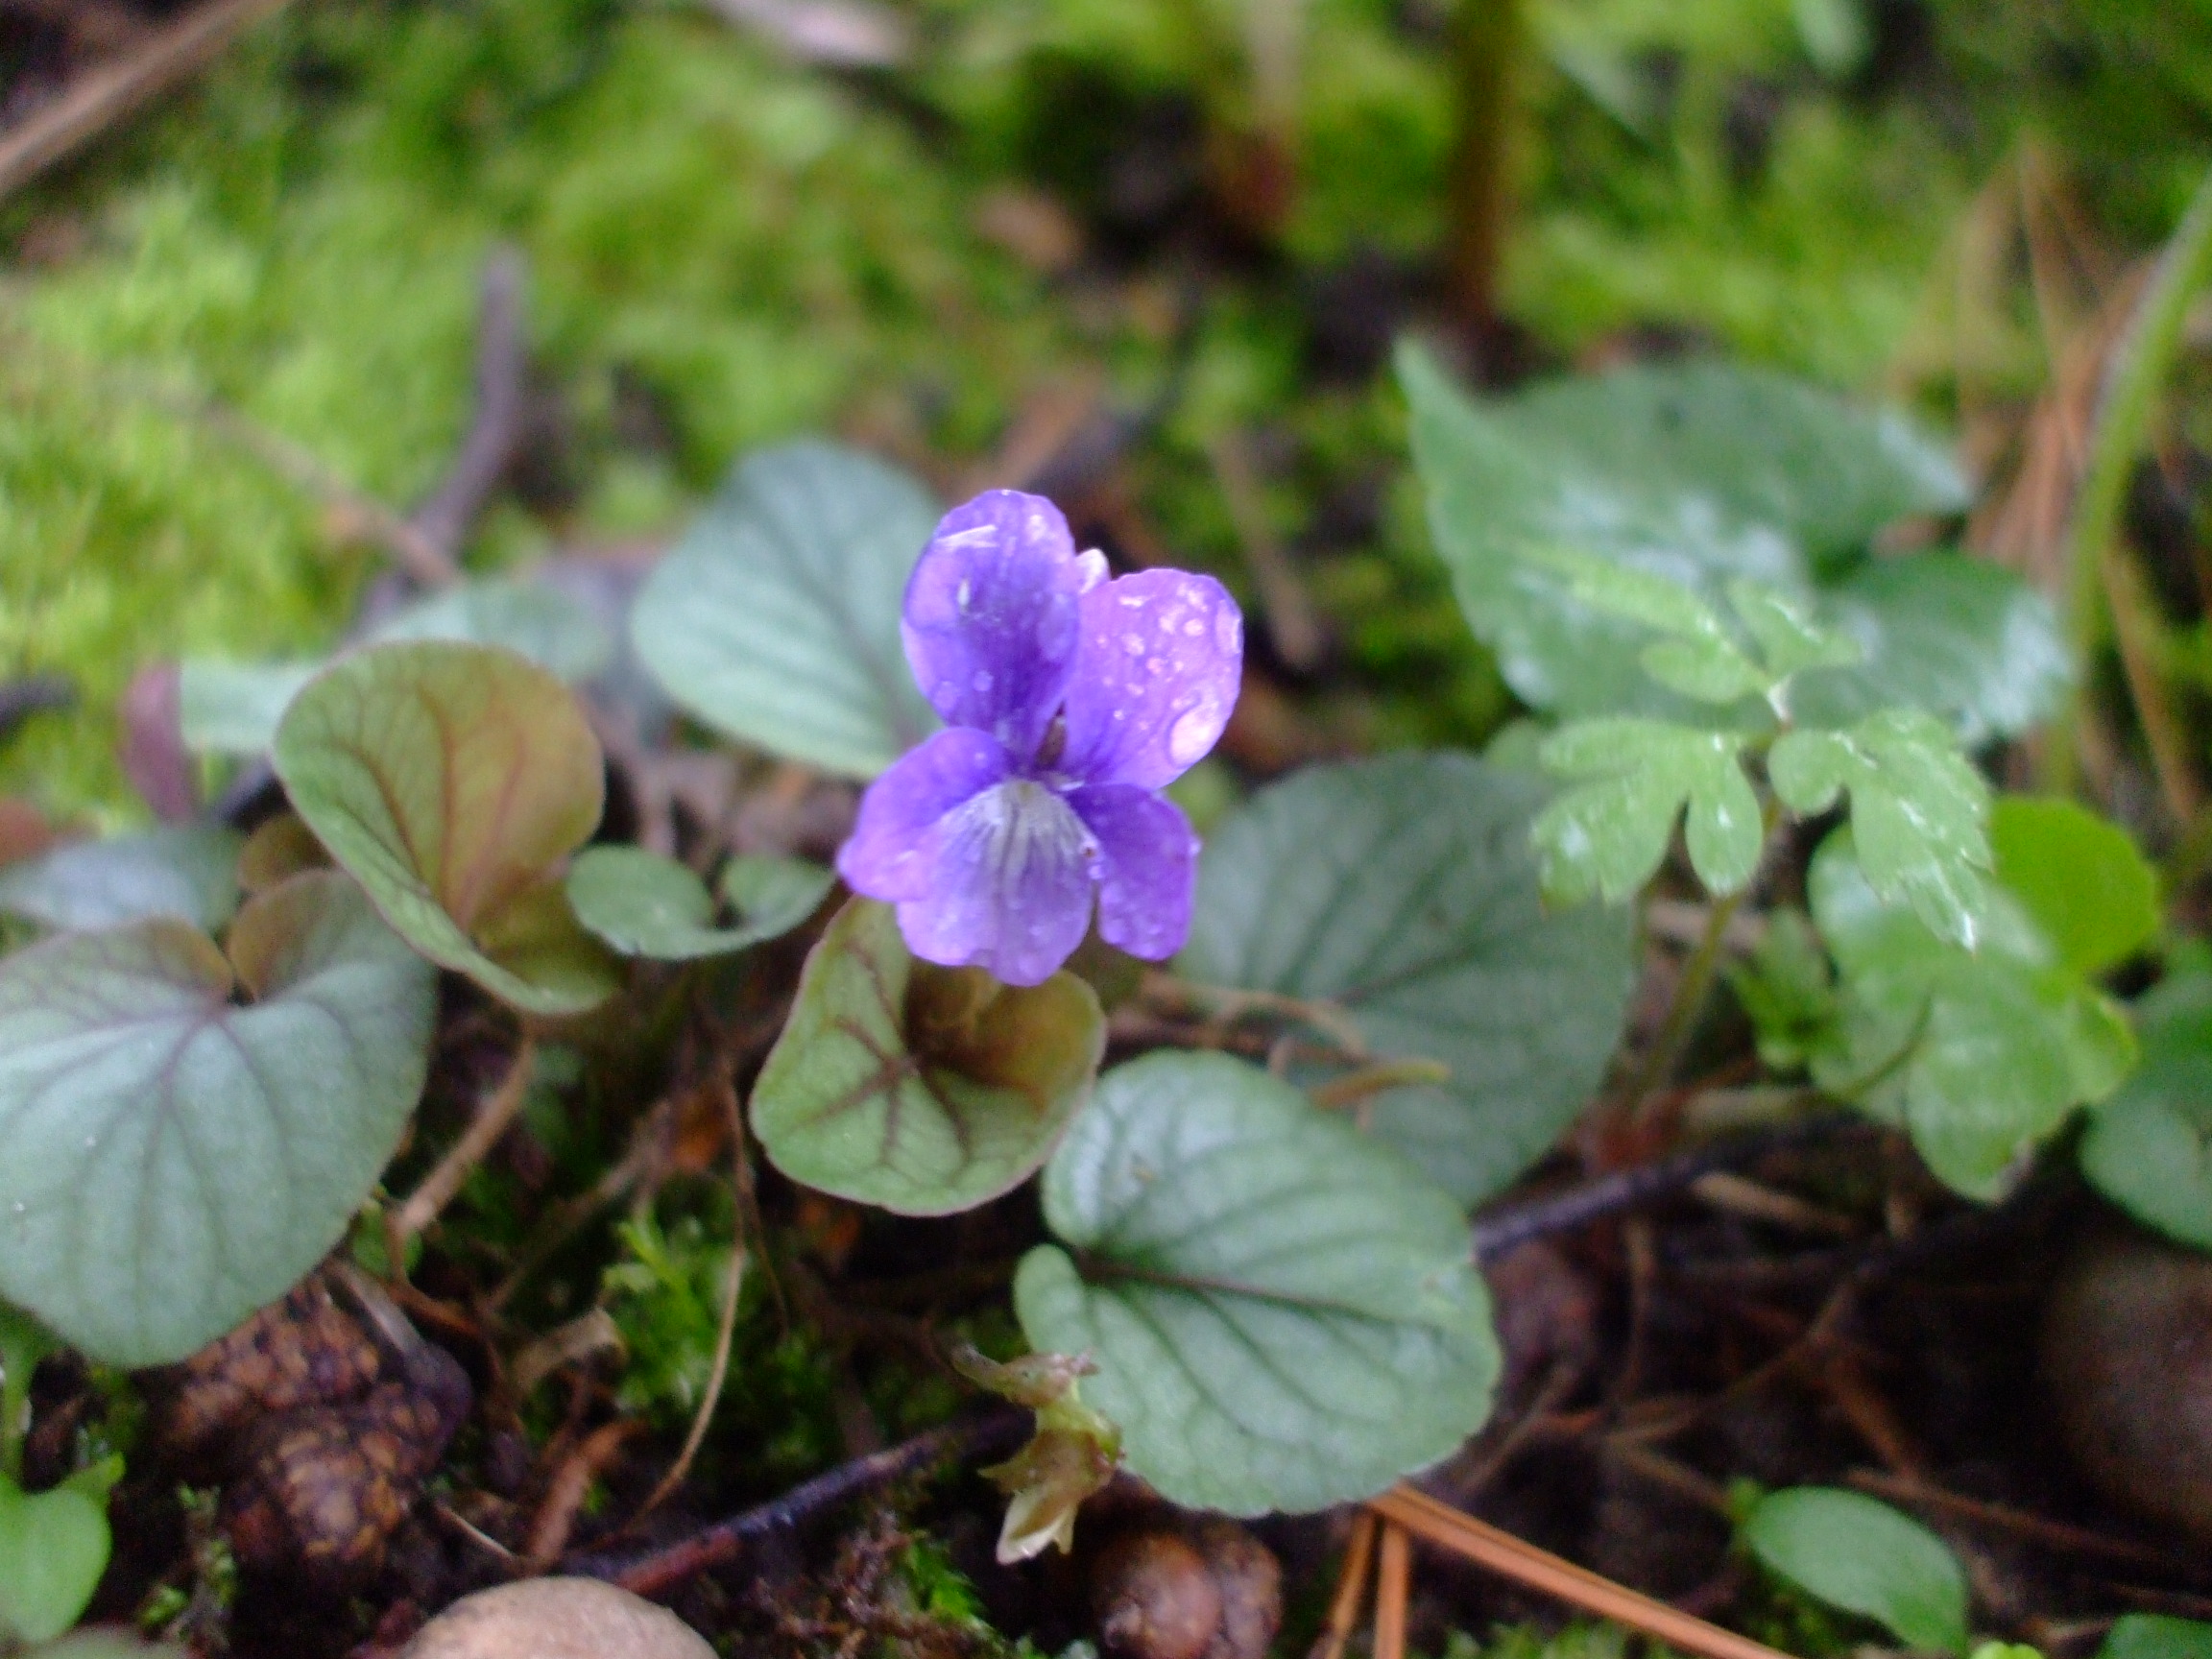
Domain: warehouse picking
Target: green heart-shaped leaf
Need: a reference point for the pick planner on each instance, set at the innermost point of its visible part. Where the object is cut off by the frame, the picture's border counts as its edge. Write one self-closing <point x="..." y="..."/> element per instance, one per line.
<point x="189" y="872"/>
<point x="2149" y="1148"/>
<point x="1980" y="1054"/>
<point x="776" y="620"/>
<point x="1702" y="474"/>
<point x="921" y="1089"/>
<point x="1285" y="1313"/>
<point x="1864" y="1557"/>
<point x="1404" y="891"/>
<point x="644" y="904"/>
<point x="2094" y="896"/>
<point x="53" y="1549"/>
<point x="452" y="781"/>
<point x="176" y="1161"/>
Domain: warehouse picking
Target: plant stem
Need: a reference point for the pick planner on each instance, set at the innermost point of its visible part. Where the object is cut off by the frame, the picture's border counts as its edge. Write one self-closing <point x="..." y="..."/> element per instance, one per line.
<point x="1486" y="55"/>
<point x="2125" y="406"/>
<point x="1690" y="994"/>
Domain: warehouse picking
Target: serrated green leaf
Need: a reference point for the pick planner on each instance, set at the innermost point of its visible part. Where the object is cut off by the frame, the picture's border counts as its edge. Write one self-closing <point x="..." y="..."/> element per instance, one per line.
<point x="1284" y="1314"/>
<point x="1980" y="1054"/>
<point x="176" y="1159"/>
<point x="642" y="905"/>
<point x="776" y="618"/>
<point x="1663" y="603"/>
<point x="233" y="708"/>
<point x="1960" y="638"/>
<point x="1856" y="1553"/>
<point x="1706" y="670"/>
<point x="2094" y="896"/>
<point x="1918" y="810"/>
<point x="1403" y="891"/>
<point x="53" y="1549"/>
<point x="2149" y="1148"/>
<point x="1701" y="475"/>
<point x="1790" y="640"/>
<point x="1608" y="835"/>
<point x="189" y="872"/>
<point x="921" y="1089"/>
<point x="451" y="781"/>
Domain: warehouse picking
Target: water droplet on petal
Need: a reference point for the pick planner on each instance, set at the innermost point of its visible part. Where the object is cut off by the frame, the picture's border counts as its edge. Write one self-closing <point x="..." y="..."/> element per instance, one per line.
<point x="1228" y="632"/>
<point x="1133" y="644"/>
<point x="1090" y="570"/>
<point x="1193" y="628"/>
<point x="966" y="594"/>
<point x="983" y="680"/>
<point x="1133" y="601"/>
<point x="1193" y="734"/>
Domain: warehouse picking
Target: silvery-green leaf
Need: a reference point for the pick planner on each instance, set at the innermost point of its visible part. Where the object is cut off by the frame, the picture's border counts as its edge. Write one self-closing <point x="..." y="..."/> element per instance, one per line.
<point x="188" y="870"/>
<point x="177" y="1159"/>
<point x="776" y="620"/>
<point x="1284" y="1313"/>
<point x="1403" y="891"/>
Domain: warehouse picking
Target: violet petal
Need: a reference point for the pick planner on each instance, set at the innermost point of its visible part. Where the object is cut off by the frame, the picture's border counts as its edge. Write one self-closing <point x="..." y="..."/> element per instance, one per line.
<point x="1157" y="674"/>
<point x="991" y="623"/>
<point x="1011" y="888"/>
<point x="886" y="855"/>
<point x="1147" y="868"/>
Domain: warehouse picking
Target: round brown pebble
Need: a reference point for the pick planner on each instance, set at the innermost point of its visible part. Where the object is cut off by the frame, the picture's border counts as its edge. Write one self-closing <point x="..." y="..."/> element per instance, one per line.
<point x="2127" y="1357"/>
<point x="556" y="1619"/>
<point x="1155" y="1597"/>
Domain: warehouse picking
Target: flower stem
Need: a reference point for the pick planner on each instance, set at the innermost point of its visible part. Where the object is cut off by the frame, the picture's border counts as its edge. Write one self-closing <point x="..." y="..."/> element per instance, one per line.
<point x="1690" y="996"/>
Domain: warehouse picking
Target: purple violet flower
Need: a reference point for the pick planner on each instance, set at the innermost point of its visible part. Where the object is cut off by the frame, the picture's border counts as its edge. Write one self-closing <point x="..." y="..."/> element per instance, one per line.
<point x="1071" y="701"/>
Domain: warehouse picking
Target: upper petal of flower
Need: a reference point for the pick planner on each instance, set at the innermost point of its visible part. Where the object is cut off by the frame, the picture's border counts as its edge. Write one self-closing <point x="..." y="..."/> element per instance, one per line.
<point x="887" y="856"/>
<point x="1011" y="885"/>
<point x="1156" y="676"/>
<point x="990" y="622"/>
<point x="1146" y="865"/>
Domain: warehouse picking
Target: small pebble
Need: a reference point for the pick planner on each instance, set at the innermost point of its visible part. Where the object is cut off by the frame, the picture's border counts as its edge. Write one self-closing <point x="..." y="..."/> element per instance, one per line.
<point x="2127" y="1358"/>
<point x="556" y="1619"/>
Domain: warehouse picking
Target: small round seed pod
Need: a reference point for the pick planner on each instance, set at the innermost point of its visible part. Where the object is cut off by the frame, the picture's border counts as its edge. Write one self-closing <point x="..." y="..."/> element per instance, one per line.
<point x="2127" y="1360"/>
<point x="1250" y="1583"/>
<point x="302" y="1351"/>
<point x="324" y="1489"/>
<point x="1155" y="1597"/>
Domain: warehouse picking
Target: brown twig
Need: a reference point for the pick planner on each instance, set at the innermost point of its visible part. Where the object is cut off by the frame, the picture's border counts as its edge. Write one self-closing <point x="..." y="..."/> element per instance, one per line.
<point x="101" y="97"/>
<point x="991" y="1434"/>
<point x="495" y="432"/>
<point x="725" y="1330"/>
<point x="1288" y="610"/>
<point x="33" y="694"/>
<point x="1476" y="1541"/>
<point x="1393" y="1590"/>
<point x="2055" y="1535"/>
<point x="493" y="1119"/>
<point x="1504" y="1229"/>
<point x="571" y="1483"/>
